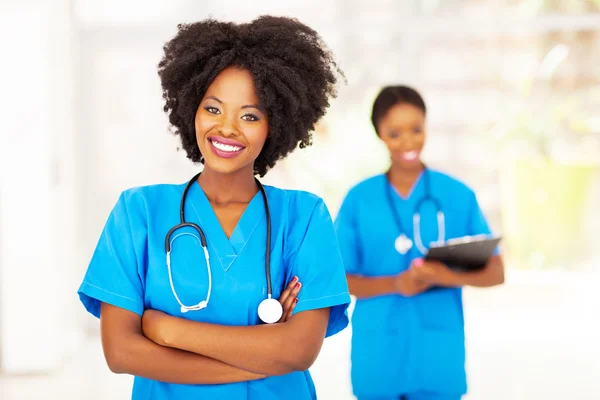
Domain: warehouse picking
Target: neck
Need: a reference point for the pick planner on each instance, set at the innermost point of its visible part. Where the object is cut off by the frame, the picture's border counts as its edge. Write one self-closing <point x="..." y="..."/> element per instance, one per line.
<point x="221" y="189"/>
<point x="401" y="176"/>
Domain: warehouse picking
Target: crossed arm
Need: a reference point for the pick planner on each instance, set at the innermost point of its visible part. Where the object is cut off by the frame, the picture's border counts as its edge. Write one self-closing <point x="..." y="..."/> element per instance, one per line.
<point x="169" y="349"/>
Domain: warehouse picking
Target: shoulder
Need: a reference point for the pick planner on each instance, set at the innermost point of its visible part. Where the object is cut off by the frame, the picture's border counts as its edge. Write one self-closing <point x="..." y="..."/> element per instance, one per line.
<point x="295" y="203"/>
<point x="449" y="184"/>
<point x="141" y="201"/>
<point x="366" y="186"/>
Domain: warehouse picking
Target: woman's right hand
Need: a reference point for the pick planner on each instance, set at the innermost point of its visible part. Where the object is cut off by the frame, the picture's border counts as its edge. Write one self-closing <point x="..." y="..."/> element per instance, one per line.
<point x="407" y="284"/>
<point x="289" y="298"/>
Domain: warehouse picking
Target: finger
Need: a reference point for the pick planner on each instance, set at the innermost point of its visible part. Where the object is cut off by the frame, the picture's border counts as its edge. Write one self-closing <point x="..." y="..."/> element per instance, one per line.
<point x="292" y="308"/>
<point x="285" y="295"/>
<point x="417" y="262"/>
<point x="288" y="290"/>
<point x="290" y="300"/>
<point x="418" y="273"/>
<point x="296" y="289"/>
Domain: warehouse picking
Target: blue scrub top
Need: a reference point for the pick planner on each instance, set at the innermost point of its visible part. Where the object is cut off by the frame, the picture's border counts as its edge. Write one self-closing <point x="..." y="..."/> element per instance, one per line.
<point x="128" y="270"/>
<point x="405" y="344"/>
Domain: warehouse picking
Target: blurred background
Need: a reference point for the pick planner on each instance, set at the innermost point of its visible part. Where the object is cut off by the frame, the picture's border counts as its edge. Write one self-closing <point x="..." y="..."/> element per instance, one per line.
<point x="513" y="94"/>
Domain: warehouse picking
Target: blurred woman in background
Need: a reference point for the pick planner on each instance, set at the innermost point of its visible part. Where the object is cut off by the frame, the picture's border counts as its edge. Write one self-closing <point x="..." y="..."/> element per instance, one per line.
<point x="408" y="326"/>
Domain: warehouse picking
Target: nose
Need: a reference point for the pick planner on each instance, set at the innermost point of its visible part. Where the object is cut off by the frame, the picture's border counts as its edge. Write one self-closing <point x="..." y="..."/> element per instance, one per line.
<point x="228" y="126"/>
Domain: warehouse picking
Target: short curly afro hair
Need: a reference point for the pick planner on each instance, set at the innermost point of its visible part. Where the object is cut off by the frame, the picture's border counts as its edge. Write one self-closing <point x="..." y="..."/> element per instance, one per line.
<point x="294" y="74"/>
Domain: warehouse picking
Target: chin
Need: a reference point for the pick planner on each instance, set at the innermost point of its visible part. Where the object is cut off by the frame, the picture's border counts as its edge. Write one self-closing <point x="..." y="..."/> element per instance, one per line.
<point x="404" y="164"/>
<point x="225" y="167"/>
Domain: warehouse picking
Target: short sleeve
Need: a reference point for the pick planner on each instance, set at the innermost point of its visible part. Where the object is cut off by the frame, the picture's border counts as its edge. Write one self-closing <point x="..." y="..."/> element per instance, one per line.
<point x="477" y="223"/>
<point x="319" y="266"/>
<point x="346" y="230"/>
<point x="113" y="273"/>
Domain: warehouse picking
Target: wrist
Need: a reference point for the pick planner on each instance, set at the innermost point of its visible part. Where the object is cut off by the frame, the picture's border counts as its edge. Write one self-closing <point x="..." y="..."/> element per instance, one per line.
<point x="398" y="284"/>
<point x="455" y="278"/>
<point x="394" y="284"/>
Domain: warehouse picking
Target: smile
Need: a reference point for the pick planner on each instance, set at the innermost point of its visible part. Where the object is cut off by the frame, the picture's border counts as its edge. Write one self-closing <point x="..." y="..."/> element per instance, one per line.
<point x="410" y="155"/>
<point x="225" y="148"/>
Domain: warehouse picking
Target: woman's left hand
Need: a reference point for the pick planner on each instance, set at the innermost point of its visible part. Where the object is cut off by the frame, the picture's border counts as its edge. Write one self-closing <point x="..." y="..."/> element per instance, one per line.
<point x="433" y="272"/>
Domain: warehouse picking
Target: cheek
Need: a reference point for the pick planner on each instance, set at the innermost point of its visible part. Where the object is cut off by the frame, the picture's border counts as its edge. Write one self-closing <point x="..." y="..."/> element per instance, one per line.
<point x="203" y="125"/>
<point x="257" y="136"/>
<point x="391" y="144"/>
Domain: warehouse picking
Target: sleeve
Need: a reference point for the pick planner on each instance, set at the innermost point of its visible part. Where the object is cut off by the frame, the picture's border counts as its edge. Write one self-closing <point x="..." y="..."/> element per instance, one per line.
<point x="477" y="223"/>
<point x="113" y="273"/>
<point x="346" y="230"/>
<point x="318" y="264"/>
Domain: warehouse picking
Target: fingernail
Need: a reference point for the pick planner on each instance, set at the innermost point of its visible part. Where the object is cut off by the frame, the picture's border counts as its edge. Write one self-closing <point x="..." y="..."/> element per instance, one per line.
<point x="297" y="285"/>
<point x="295" y="279"/>
<point x="418" y="262"/>
<point x="296" y="300"/>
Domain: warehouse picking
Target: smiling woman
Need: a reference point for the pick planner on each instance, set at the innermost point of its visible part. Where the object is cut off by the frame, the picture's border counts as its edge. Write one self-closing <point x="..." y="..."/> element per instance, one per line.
<point x="408" y="335"/>
<point x="240" y="97"/>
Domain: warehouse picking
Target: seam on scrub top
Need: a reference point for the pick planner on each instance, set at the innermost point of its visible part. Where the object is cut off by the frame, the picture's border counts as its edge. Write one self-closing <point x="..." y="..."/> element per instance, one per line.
<point x="250" y="235"/>
<point x="322" y="298"/>
<point x="114" y="294"/>
<point x="208" y="239"/>
<point x="241" y="249"/>
<point x="246" y="242"/>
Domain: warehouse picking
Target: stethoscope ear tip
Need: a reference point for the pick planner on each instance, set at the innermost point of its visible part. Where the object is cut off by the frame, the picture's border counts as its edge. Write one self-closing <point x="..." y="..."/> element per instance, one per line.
<point x="184" y="309"/>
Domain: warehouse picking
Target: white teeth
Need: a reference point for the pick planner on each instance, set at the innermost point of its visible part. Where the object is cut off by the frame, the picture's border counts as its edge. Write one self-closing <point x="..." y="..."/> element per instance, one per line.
<point x="225" y="147"/>
<point x="411" y="155"/>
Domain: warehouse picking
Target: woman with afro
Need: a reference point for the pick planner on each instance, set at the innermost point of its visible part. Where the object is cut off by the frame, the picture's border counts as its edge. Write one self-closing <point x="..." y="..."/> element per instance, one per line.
<point x="240" y="97"/>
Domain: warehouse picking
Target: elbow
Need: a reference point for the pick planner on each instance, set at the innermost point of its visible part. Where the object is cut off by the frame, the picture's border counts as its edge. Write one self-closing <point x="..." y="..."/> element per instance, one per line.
<point x="298" y="359"/>
<point x="304" y="364"/>
<point x="302" y="359"/>
<point x="500" y="280"/>
<point x="118" y="356"/>
<point x="495" y="273"/>
<point x="499" y="275"/>
<point x="115" y="361"/>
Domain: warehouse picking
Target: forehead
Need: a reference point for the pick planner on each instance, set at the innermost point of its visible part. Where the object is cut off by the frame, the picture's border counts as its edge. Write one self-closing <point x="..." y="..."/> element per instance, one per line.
<point x="403" y="114"/>
<point x="233" y="85"/>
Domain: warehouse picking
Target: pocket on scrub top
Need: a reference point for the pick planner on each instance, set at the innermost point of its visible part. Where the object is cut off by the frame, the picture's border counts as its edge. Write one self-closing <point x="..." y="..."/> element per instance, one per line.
<point x="379" y="362"/>
<point x="442" y="366"/>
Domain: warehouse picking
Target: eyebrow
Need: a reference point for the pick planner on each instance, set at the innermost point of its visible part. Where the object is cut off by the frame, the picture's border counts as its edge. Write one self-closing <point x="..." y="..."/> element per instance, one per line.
<point x="258" y="107"/>
<point x="253" y="106"/>
<point x="215" y="99"/>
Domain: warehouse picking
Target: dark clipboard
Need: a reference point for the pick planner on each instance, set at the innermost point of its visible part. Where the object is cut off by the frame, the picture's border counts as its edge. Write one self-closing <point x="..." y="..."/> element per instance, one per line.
<point x="469" y="253"/>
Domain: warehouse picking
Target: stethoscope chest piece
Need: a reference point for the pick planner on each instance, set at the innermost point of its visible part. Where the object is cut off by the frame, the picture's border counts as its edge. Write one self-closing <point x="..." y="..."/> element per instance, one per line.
<point x="270" y="311"/>
<point x="403" y="244"/>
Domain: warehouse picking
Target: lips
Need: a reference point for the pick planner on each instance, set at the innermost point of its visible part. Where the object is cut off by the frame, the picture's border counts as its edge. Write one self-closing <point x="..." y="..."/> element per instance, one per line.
<point x="225" y="148"/>
<point x="410" y="155"/>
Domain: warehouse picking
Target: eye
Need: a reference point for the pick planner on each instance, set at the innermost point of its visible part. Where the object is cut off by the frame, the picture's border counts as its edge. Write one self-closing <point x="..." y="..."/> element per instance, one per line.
<point x="417" y="130"/>
<point x="393" y="134"/>
<point x="212" y="110"/>
<point x="250" y="117"/>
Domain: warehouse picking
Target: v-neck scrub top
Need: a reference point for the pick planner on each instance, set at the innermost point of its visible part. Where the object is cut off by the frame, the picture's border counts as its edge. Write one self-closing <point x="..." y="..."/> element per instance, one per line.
<point x="128" y="270"/>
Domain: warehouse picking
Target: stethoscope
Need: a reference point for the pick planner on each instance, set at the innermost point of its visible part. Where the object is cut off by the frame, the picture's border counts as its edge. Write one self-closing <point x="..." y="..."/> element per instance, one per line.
<point x="269" y="310"/>
<point x="403" y="244"/>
